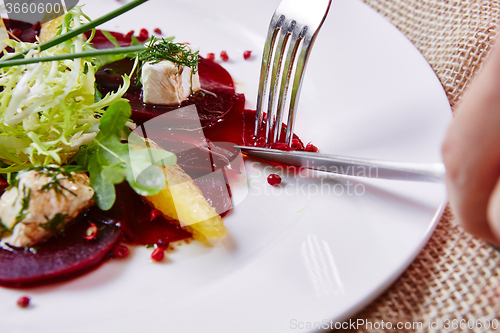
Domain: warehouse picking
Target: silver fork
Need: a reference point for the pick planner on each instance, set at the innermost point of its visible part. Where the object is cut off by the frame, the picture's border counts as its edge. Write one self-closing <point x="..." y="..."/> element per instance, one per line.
<point x="292" y="31"/>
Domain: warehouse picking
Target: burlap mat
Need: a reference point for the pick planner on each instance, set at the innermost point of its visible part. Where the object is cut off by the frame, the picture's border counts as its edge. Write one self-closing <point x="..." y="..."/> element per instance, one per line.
<point x="456" y="276"/>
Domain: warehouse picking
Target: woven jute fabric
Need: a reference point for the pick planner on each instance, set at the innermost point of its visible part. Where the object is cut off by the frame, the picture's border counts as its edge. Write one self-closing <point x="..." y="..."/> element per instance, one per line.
<point x="456" y="278"/>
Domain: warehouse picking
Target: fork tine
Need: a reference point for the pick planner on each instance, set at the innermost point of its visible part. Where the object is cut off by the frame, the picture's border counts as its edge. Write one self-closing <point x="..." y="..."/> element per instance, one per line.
<point x="293" y="27"/>
<point x="297" y="85"/>
<point x="296" y="38"/>
<point x="272" y="111"/>
<point x="267" y="56"/>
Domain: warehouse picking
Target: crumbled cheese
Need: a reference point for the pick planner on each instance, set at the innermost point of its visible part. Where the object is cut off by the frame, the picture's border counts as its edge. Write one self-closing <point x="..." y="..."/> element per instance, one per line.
<point x="25" y="218"/>
<point x="167" y="83"/>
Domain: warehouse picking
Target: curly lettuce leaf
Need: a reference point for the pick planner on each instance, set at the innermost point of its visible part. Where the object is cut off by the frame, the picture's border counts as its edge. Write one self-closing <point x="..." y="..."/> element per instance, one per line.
<point x="48" y="109"/>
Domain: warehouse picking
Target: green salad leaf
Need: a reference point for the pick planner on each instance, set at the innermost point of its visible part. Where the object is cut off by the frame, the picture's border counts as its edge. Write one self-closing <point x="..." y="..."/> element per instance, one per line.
<point x="110" y="161"/>
<point x="52" y="114"/>
<point x="48" y="109"/>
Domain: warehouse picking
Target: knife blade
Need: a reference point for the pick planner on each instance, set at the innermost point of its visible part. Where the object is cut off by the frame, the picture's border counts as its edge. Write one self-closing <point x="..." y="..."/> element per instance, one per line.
<point x="351" y="166"/>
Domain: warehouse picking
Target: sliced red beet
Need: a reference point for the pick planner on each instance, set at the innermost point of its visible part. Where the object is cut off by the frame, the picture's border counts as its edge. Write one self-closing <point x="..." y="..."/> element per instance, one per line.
<point x="60" y="257"/>
<point x="27" y="33"/>
<point x="213" y="106"/>
<point x="214" y="78"/>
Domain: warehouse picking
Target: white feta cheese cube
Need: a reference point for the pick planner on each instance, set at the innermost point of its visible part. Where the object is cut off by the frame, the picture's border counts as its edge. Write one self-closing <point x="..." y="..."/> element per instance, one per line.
<point x="167" y="83"/>
<point x="28" y="209"/>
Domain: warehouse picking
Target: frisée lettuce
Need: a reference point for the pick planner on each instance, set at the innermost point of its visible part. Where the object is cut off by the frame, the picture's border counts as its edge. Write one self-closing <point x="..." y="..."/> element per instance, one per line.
<point x="52" y="114"/>
<point x="49" y="109"/>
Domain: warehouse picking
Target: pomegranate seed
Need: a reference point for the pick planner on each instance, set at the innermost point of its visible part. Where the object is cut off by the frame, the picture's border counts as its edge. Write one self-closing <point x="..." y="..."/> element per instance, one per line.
<point x="16" y="32"/>
<point x="273" y="179"/>
<point x="312" y="148"/>
<point x="154" y="214"/>
<point x="120" y="251"/>
<point x="247" y="54"/>
<point x="23" y="302"/>
<point x="296" y="145"/>
<point x="224" y="56"/>
<point x="157" y="31"/>
<point x="162" y="244"/>
<point x="144" y="34"/>
<point x="129" y="34"/>
<point x="158" y="254"/>
<point x="91" y="232"/>
<point x="210" y="56"/>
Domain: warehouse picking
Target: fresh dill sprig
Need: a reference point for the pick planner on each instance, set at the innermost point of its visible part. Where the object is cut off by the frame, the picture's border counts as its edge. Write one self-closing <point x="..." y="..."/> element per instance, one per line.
<point x="25" y="206"/>
<point x="56" y="223"/>
<point x="158" y="49"/>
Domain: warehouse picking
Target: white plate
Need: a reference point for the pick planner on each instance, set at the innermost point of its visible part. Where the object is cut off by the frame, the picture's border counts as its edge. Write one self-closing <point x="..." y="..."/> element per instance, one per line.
<point x="300" y="254"/>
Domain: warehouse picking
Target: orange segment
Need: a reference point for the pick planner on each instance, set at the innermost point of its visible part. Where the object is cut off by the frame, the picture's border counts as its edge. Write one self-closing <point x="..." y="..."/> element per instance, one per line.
<point x="49" y="29"/>
<point x="182" y="200"/>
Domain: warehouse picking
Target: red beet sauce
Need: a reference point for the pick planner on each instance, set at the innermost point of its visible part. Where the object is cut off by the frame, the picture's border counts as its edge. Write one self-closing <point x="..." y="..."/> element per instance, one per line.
<point x="22" y="30"/>
<point x="224" y="122"/>
<point x="134" y="216"/>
